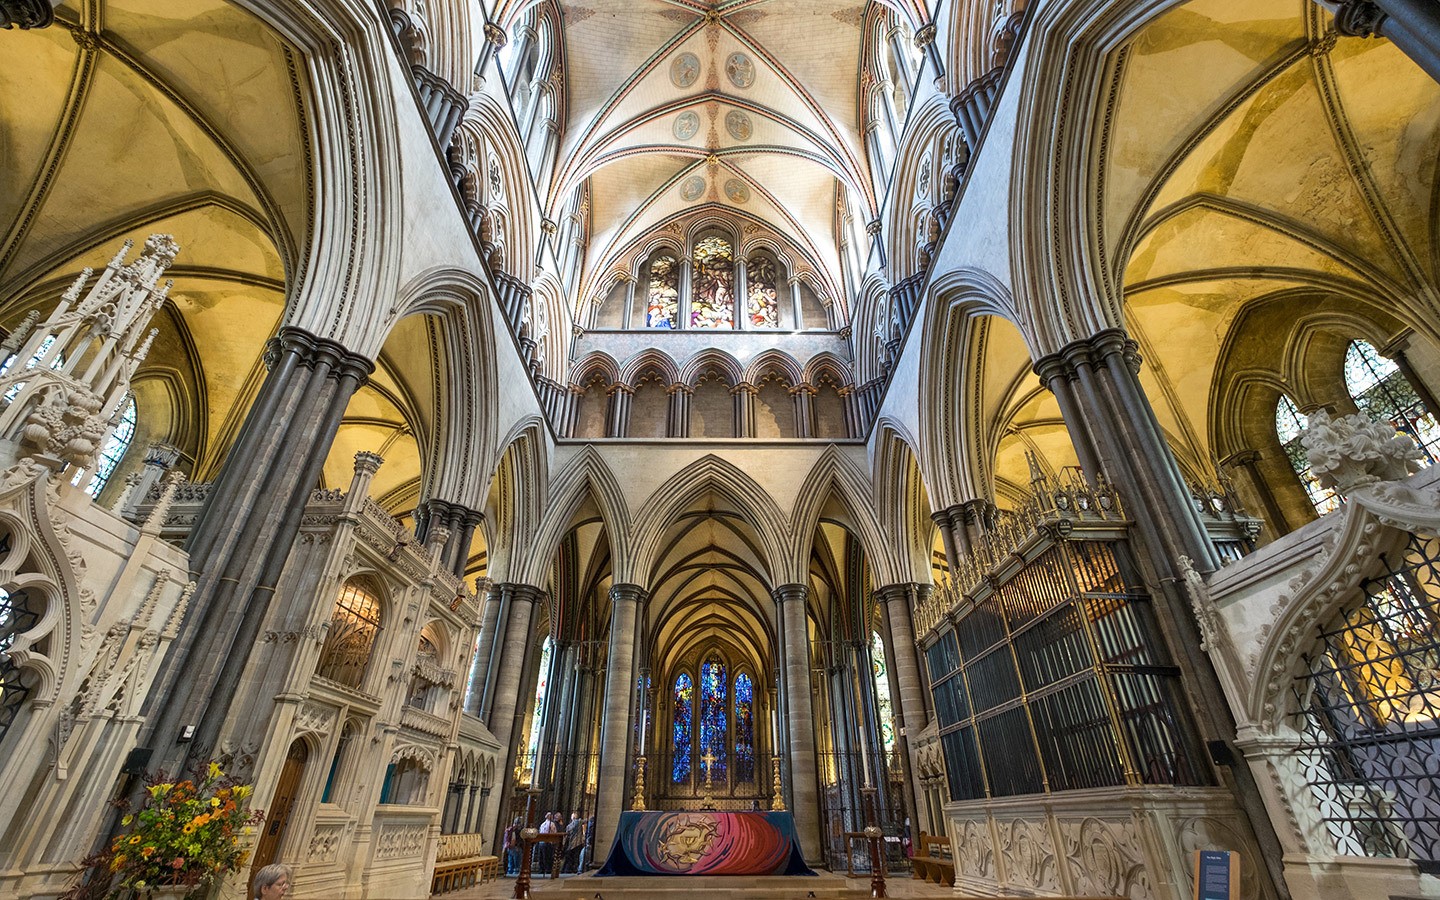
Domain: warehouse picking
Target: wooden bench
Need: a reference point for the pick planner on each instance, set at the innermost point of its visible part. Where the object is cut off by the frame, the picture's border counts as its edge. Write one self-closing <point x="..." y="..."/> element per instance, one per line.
<point x="459" y="864"/>
<point x="932" y="860"/>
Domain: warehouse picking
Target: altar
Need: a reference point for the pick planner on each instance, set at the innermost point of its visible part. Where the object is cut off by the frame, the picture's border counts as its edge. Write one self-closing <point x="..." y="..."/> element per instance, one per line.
<point x="663" y="842"/>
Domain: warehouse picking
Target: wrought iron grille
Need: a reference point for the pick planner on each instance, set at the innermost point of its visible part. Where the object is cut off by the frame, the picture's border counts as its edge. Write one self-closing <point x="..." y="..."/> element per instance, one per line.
<point x="1369" y="715"/>
<point x="354" y="625"/>
<point x="18" y="614"/>
<point x="1053" y="680"/>
<point x="844" y="813"/>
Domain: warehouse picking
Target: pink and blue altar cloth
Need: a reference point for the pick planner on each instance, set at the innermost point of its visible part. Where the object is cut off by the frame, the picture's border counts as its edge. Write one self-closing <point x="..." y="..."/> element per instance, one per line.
<point x="705" y="843"/>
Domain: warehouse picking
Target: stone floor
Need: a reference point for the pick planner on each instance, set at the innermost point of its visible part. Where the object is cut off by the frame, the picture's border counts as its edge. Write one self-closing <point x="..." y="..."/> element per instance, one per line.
<point x="827" y="886"/>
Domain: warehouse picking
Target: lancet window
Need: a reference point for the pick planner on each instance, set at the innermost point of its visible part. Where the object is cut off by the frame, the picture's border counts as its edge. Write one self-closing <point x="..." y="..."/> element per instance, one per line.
<point x="1290" y="425"/>
<point x="762" y="302"/>
<point x="744" y="729"/>
<point x="111" y="452"/>
<point x="542" y="688"/>
<point x="714" y="715"/>
<point x="1381" y="390"/>
<point x="708" y="285"/>
<point x="883" y="705"/>
<point x="683" y="715"/>
<point x="18" y="614"/>
<point x="662" y="309"/>
<point x="354" y="625"/>
<point x="712" y="300"/>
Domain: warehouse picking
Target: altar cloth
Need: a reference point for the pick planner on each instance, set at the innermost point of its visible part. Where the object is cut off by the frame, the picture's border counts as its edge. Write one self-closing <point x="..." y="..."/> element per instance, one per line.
<point x="666" y="842"/>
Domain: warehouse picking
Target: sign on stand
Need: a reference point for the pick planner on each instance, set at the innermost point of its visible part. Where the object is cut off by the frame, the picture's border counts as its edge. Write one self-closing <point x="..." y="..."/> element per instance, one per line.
<point x="1217" y="875"/>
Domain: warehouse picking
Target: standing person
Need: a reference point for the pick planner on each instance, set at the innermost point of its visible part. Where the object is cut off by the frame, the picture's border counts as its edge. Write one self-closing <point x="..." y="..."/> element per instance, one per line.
<point x="272" y="882"/>
<point x="512" y="848"/>
<point x="574" y="843"/>
<point x="547" y="849"/>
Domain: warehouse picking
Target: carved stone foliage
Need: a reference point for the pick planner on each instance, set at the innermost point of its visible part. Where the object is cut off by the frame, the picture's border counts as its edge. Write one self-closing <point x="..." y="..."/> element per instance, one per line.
<point x="397" y="841"/>
<point x="1106" y="858"/>
<point x="975" y="856"/>
<point x="1029" y="853"/>
<point x="1353" y="451"/>
<point x="325" y="844"/>
<point x="315" y="719"/>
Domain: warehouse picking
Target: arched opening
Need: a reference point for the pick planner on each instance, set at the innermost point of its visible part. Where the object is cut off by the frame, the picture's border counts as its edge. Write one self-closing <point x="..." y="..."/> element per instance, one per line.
<point x="355" y="623"/>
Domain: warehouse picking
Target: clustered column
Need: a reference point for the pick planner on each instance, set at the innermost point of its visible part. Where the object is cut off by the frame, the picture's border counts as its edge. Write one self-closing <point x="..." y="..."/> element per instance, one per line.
<point x="1116" y="435"/>
<point x="500" y="704"/>
<point x="800" y="716"/>
<point x="243" y="536"/>
<point x="625" y="600"/>
<point x="460" y="521"/>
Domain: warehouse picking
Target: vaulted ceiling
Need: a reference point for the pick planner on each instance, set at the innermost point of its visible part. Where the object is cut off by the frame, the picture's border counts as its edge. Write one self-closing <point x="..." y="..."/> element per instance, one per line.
<point x="747" y="106"/>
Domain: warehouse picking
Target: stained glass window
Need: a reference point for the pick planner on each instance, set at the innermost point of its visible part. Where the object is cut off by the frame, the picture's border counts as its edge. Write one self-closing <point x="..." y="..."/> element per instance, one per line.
<point x="663" y="306"/>
<point x="712" y="296"/>
<point x="1290" y="424"/>
<point x="111" y="452"/>
<point x="744" y="729"/>
<point x="34" y="360"/>
<point x="541" y="689"/>
<point x="684" y="706"/>
<point x="1380" y="389"/>
<point x="712" y="720"/>
<point x="763" y="303"/>
<point x="882" y="693"/>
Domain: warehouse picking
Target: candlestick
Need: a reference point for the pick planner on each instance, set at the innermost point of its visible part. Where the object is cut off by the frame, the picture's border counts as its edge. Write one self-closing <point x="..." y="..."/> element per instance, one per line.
<point x="865" y="758"/>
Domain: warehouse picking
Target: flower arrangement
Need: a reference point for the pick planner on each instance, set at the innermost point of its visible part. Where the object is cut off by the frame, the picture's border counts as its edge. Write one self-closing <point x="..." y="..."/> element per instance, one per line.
<point x="187" y="833"/>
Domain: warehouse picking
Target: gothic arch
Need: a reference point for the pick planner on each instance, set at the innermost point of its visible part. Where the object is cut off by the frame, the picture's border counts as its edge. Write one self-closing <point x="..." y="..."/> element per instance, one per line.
<point x="902" y="501"/>
<point x="711" y="358"/>
<point x="647" y="360"/>
<point x="774" y="359"/>
<point x="491" y="130"/>
<point x="709" y="474"/>
<point x="836" y="475"/>
<point x="512" y="510"/>
<point x="584" y="476"/>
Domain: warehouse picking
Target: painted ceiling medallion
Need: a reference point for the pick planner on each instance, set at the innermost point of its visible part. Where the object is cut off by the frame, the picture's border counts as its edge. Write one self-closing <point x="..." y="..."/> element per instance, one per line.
<point x="740" y="70"/>
<point x="737" y="191"/>
<point x="687" y="124"/>
<point x="738" y="124"/>
<point x="692" y="187"/>
<point x="685" y="70"/>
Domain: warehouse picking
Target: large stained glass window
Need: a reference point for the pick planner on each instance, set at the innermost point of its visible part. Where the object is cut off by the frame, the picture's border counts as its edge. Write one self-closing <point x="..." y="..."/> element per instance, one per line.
<point x="762" y="304"/>
<point x="882" y="693"/>
<point x="712" y="296"/>
<point x="1379" y="388"/>
<point x="111" y="452"/>
<point x="684" y="707"/>
<point x="1290" y="424"/>
<point x="712" y="720"/>
<point x="744" y="729"/>
<point x="663" y="306"/>
<point x="542" y="687"/>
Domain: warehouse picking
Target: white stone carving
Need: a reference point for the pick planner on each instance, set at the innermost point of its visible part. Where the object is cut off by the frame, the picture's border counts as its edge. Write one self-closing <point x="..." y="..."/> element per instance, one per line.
<point x="397" y="841"/>
<point x="1353" y="451"/>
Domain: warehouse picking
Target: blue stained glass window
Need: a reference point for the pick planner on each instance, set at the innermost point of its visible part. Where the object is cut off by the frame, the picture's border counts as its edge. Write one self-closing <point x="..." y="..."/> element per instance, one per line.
<point x="111" y="452"/>
<point x="712" y="720"/>
<point x="1290" y="424"/>
<point x="684" y="700"/>
<point x="542" y="688"/>
<point x="744" y="729"/>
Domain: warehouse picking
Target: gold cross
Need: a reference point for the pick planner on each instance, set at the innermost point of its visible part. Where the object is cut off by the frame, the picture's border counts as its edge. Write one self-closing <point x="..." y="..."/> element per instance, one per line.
<point x="709" y="760"/>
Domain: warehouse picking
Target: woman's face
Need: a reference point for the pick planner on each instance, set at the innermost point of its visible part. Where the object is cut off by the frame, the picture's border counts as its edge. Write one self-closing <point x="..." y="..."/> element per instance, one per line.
<point x="276" y="891"/>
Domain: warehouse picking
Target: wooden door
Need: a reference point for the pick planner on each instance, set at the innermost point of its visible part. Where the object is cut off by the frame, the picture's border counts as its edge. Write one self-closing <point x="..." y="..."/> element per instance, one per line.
<point x="281" y="808"/>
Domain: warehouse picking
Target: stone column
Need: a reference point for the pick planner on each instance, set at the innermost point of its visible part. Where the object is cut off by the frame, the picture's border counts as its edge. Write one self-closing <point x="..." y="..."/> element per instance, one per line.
<point x="485" y="647"/>
<point x="800" y="717"/>
<point x="898" y="633"/>
<point x="804" y="395"/>
<point x="1248" y="460"/>
<point x="679" y="410"/>
<point x="1395" y="351"/>
<point x="504" y="700"/>
<point x="242" y="539"/>
<point x="744" y="394"/>
<point x="1107" y="407"/>
<point x="628" y="319"/>
<point x="742" y="292"/>
<point x="1413" y="26"/>
<point x="615" y="726"/>
<point x="619" y="421"/>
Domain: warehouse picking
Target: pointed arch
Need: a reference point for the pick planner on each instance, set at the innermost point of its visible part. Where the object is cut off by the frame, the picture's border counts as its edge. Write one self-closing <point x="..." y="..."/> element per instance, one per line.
<point x="585" y="476"/>
<point x="711" y="358"/>
<point x="836" y="475"/>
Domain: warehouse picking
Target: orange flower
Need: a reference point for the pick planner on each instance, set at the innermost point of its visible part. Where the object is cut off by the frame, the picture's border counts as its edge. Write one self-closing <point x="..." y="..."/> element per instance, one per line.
<point x="117" y="862"/>
<point x="135" y="839"/>
<point x="147" y="852"/>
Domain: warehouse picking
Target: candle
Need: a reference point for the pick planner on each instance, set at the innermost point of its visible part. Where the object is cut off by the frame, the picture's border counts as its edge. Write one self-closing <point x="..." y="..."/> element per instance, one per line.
<point x="644" y="729"/>
<point x="865" y="757"/>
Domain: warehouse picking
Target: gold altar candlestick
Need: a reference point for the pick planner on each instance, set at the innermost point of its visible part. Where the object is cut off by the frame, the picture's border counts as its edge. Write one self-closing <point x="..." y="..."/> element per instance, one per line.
<point x="638" y="803"/>
<point x="777" y="798"/>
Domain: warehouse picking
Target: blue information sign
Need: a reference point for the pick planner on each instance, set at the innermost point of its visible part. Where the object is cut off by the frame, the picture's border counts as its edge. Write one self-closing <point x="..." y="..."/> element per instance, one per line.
<point x="1217" y="875"/>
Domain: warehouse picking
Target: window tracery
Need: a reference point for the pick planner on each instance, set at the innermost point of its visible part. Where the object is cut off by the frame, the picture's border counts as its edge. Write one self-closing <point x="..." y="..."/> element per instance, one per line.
<point x="1381" y="390"/>
<point x="712" y="721"/>
<point x="354" y="625"/>
<point x="1290" y="425"/>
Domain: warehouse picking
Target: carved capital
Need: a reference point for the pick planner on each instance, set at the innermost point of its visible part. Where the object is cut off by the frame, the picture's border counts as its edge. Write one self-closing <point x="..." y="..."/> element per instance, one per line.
<point x="1358" y="18"/>
<point x="495" y="35"/>
<point x="26" y="14"/>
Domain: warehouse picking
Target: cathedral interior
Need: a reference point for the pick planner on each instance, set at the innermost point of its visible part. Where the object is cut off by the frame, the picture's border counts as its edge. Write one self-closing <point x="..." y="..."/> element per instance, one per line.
<point x="1008" y="424"/>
